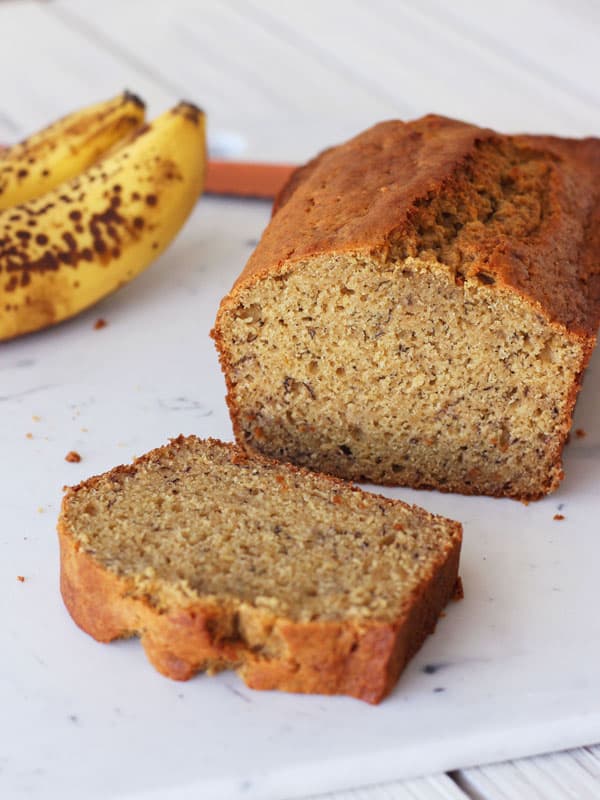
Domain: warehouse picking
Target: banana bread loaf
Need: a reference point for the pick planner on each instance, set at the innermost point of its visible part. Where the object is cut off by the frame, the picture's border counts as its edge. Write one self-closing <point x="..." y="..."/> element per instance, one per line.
<point x="216" y="559"/>
<point x="421" y="309"/>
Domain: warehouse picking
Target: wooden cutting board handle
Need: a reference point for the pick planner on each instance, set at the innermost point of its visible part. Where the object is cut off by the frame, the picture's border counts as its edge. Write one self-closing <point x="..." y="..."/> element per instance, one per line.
<point x="246" y="179"/>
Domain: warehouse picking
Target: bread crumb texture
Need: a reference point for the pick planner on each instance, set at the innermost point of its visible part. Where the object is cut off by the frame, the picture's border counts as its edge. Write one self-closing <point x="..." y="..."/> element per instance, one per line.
<point x="278" y="566"/>
<point x="420" y="310"/>
<point x="195" y="520"/>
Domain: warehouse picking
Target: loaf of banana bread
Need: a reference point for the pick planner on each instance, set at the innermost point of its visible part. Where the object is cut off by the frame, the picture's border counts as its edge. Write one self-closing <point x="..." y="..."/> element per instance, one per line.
<point x="421" y="309"/>
<point x="216" y="559"/>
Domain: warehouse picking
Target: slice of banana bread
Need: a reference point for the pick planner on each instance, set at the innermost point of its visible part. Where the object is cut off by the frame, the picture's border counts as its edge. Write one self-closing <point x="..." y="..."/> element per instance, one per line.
<point x="420" y="310"/>
<point x="297" y="580"/>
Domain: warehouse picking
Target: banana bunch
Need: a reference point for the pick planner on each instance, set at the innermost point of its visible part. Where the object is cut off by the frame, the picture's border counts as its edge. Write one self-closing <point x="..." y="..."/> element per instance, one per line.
<point x="88" y="203"/>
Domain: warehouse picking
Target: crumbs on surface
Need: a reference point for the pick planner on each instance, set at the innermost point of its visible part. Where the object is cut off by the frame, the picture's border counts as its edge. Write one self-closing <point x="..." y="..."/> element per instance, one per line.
<point x="21" y="578"/>
<point x="580" y="433"/>
<point x="35" y="418"/>
<point x="558" y="517"/>
<point x="100" y="323"/>
<point x="29" y="435"/>
<point x="73" y="457"/>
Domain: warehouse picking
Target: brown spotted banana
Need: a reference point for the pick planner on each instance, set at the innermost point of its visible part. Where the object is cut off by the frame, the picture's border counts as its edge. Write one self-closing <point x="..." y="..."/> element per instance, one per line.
<point x="66" y="148"/>
<point x="65" y="250"/>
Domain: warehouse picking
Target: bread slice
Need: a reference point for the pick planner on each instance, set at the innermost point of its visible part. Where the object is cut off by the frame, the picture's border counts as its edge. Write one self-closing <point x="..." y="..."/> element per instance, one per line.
<point x="420" y="310"/>
<point x="218" y="560"/>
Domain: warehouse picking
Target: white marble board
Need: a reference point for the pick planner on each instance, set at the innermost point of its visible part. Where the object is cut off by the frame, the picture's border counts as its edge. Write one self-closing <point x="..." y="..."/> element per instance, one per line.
<point x="511" y="670"/>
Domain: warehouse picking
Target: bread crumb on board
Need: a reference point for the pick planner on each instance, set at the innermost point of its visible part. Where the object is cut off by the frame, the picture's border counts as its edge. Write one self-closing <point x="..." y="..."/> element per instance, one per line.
<point x="580" y="433"/>
<point x="100" y="323"/>
<point x="21" y="578"/>
<point x="73" y="457"/>
<point x="29" y="435"/>
<point x="558" y="517"/>
<point x="35" y="418"/>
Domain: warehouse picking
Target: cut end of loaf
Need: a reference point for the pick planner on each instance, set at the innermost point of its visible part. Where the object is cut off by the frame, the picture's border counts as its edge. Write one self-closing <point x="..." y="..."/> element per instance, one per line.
<point x="217" y="560"/>
<point x="397" y="375"/>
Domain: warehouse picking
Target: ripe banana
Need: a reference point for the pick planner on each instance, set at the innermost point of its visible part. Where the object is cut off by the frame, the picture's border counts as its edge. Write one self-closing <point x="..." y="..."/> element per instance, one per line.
<point x="66" y="148"/>
<point x="62" y="252"/>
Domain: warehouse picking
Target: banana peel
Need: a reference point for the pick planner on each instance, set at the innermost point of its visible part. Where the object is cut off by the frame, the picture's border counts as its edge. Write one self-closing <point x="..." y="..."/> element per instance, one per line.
<point x="66" y="249"/>
<point x="66" y="148"/>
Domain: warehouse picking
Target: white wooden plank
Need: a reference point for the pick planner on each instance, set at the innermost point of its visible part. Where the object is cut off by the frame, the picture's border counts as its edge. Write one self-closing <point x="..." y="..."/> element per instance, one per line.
<point x="591" y="756"/>
<point x="283" y="98"/>
<point x="543" y="36"/>
<point x="48" y="70"/>
<point x="428" y="65"/>
<point x="586" y="10"/>
<point x="290" y="77"/>
<point x="559" y="776"/>
<point x="73" y="67"/>
<point x="435" y="787"/>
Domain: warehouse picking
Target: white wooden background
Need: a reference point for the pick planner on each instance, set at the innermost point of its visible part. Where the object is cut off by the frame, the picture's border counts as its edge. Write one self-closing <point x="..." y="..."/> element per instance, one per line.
<point x="282" y="80"/>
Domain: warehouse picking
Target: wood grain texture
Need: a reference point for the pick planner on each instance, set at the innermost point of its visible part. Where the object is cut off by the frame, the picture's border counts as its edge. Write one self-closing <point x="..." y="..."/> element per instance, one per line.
<point x="428" y="61"/>
<point x="559" y="51"/>
<point x="76" y="71"/>
<point x="285" y="101"/>
<point x="571" y="774"/>
<point x="435" y="787"/>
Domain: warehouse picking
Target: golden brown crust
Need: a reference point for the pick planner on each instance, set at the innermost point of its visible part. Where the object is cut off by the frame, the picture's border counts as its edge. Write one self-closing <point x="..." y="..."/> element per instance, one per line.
<point x="361" y="658"/>
<point x="340" y="190"/>
<point x="361" y="196"/>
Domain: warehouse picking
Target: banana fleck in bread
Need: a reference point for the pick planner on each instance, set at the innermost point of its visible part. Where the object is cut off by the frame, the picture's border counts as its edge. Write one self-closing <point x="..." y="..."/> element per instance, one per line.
<point x="420" y="310"/>
<point x="216" y="559"/>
